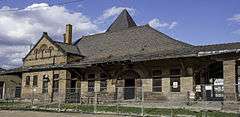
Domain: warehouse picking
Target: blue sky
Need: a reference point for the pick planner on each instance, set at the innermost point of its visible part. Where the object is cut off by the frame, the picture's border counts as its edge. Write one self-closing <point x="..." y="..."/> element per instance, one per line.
<point x="198" y="22"/>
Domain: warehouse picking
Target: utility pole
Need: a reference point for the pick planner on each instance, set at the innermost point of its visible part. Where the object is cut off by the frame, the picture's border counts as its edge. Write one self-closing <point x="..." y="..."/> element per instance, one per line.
<point x="52" y="93"/>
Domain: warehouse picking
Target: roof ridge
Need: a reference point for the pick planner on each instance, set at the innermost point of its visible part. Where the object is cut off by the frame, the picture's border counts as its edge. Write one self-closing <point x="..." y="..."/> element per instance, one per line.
<point x="170" y="38"/>
<point x="218" y="44"/>
<point x="123" y="21"/>
<point x="131" y="28"/>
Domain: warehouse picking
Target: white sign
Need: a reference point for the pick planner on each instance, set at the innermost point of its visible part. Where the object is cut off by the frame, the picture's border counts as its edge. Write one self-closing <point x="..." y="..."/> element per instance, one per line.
<point x="218" y="82"/>
<point x="198" y="88"/>
<point x="208" y="87"/>
<point x="175" y="84"/>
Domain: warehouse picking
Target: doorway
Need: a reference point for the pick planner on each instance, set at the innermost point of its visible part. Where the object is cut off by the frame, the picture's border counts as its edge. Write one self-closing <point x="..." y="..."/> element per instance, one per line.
<point x="129" y="90"/>
<point x="1" y="90"/>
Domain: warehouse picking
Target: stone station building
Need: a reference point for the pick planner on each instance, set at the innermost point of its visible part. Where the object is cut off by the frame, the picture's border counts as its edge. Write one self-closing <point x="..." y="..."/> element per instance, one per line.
<point x="128" y="59"/>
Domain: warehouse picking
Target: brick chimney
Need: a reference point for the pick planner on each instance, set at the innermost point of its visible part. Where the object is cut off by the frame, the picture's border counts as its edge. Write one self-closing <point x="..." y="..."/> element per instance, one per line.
<point x="68" y="34"/>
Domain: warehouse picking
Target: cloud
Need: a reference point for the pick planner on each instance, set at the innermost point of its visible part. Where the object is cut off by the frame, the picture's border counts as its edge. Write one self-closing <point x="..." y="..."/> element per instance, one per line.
<point x="236" y="21"/>
<point x="156" y="23"/>
<point x="114" y="11"/>
<point x="235" y="18"/>
<point x="172" y="25"/>
<point x="19" y="29"/>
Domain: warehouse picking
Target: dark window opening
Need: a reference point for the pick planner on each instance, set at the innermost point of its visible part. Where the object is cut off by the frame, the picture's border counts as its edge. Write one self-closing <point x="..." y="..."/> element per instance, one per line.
<point x="157" y="84"/>
<point x="73" y="86"/>
<point x="103" y="85"/>
<point x="55" y="83"/>
<point x="238" y="82"/>
<point x="18" y="92"/>
<point x="36" y="53"/>
<point x="157" y="81"/>
<point x="45" y="84"/>
<point x="35" y="80"/>
<point x="27" y="81"/>
<point x="91" y="85"/>
<point x="103" y="82"/>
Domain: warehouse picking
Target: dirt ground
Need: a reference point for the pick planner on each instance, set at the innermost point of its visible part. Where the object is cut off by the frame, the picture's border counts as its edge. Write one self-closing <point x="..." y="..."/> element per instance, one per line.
<point x="4" y="113"/>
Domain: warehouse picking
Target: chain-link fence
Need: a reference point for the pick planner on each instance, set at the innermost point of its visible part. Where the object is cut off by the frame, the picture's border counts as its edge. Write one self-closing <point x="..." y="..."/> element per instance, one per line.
<point x="205" y="100"/>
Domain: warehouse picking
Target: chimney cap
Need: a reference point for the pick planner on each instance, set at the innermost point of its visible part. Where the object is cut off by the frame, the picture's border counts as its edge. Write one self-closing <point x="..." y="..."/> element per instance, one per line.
<point x="45" y="33"/>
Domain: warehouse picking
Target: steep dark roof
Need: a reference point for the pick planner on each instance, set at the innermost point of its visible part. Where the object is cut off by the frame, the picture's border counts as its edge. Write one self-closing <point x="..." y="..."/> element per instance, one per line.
<point x="217" y="47"/>
<point x="68" y="48"/>
<point x="123" y="21"/>
<point x="125" y="41"/>
<point x="134" y="40"/>
<point x="65" y="48"/>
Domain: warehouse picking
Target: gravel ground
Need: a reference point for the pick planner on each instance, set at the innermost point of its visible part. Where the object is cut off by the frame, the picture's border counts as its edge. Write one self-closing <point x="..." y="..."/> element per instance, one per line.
<point x="4" y="113"/>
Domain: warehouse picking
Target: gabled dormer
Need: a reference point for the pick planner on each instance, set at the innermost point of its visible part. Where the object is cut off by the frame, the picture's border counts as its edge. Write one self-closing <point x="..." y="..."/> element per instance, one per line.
<point x="47" y="51"/>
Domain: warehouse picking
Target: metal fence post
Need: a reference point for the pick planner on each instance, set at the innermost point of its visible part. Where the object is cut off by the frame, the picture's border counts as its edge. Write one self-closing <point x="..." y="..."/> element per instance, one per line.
<point x="171" y="114"/>
<point x="59" y="100"/>
<point x="32" y="100"/>
<point x="117" y="100"/>
<point x="95" y="102"/>
<point x="142" y="113"/>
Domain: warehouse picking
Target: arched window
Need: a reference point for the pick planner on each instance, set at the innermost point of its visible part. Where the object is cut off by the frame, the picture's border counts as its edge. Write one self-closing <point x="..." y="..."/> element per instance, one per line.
<point x="36" y="53"/>
<point x="43" y="48"/>
<point x="51" y="50"/>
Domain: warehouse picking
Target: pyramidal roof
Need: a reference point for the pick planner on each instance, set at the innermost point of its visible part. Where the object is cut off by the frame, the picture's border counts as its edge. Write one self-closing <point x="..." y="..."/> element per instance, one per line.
<point x="123" y="21"/>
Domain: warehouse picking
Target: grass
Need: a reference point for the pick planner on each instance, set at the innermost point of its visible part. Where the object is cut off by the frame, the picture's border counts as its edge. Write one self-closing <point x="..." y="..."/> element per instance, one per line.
<point x="113" y="109"/>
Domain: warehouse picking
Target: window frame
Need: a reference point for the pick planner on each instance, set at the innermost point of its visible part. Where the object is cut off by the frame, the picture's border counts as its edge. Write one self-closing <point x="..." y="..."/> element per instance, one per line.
<point x="91" y="88"/>
<point x="103" y="82"/>
<point x="55" y="83"/>
<point x="157" y="80"/>
<point x="45" y="82"/>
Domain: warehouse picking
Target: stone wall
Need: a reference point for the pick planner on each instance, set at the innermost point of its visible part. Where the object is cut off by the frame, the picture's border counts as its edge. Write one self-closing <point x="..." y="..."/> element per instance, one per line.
<point x="47" y="57"/>
<point x="229" y="74"/>
<point x="11" y="82"/>
<point x="27" y="90"/>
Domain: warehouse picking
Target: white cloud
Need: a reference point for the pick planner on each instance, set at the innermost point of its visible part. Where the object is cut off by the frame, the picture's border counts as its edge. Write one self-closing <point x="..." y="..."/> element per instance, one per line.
<point x="21" y="28"/>
<point x="172" y="25"/>
<point x="235" y="18"/>
<point x="156" y="23"/>
<point x="114" y="11"/>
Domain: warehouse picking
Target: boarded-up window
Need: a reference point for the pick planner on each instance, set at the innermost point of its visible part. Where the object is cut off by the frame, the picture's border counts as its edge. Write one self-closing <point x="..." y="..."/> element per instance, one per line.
<point x="103" y="82"/>
<point x="156" y="80"/>
<point x="175" y="75"/>
<point x="35" y="80"/>
<point x="27" y="81"/>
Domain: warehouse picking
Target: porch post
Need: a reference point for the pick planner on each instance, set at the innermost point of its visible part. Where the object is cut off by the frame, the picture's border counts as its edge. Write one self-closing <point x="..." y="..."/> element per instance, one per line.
<point x="229" y="74"/>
